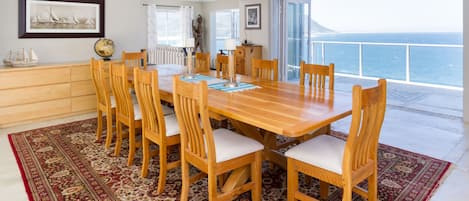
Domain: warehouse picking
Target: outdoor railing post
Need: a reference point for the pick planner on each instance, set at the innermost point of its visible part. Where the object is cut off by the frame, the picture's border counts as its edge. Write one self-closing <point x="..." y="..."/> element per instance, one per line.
<point x="323" y="53"/>
<point x="407" y="63"/>
<point x="360" y="59"/>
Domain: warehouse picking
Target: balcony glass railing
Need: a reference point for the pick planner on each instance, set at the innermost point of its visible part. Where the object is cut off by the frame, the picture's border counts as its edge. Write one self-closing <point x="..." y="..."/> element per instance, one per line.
<point x="437" y="65"/>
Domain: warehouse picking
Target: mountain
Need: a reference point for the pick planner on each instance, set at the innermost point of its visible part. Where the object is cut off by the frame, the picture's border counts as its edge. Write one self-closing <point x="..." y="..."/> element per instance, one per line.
<point x="318" y="28"/>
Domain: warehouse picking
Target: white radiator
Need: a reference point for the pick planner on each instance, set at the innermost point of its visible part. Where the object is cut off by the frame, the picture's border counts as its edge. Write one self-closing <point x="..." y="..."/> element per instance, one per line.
<point x="166" y="55"/>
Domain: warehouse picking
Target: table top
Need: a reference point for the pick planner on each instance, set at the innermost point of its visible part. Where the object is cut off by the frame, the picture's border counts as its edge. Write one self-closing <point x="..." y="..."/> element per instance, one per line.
<point x="283" y="108"/>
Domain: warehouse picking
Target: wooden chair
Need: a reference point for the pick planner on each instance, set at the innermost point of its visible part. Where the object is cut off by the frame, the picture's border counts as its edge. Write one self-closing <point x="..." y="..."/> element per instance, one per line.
<point x="214" y="152"/>
<point x="156" y="127"/>
<point x="264" y="69"/>
<point x="318" y="75"/>
<point x="221" y="65"/>
<point x="344" y="163"/>
<point x="127" y="112"/>
<point x="105" y="102"/>
<point x="202" y="62"/>
<point x="134" y="59"/>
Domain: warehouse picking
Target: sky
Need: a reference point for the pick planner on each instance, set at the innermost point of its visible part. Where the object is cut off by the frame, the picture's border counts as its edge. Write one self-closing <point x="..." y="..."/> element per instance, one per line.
<point x="389" y="15"/>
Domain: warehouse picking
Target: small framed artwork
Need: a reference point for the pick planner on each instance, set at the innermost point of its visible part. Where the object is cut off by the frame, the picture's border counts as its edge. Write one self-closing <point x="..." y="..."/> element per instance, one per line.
<point x="253" y="16"/>
<point x="61" y="19"/>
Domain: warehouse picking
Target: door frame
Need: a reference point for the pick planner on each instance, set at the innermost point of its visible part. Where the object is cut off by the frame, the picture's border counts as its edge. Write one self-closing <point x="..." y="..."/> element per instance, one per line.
<point x="283" y="49"/>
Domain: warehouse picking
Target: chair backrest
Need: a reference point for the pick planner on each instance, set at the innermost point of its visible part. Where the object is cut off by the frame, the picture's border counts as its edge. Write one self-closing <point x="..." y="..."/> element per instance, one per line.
<point x="121" y="90"/>
<point x="202" y="62"/>
<point x="148" y="96"/>
<point x="135" y="59"/>
<point x="191" y="106"/>
<point x="264" y="69"/>
<point x="317" y="75"/>
<point x="100" y="83"/>
<point x="368" y="108"/>
<point x="221" y="65"/>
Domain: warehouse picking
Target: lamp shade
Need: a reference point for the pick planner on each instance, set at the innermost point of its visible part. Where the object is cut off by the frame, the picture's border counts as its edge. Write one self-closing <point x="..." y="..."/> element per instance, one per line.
<point x="230" y="44"/>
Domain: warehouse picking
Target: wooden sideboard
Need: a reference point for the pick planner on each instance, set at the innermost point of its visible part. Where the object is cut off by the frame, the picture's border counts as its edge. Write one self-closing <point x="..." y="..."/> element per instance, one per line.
<point x="243" y="55"/>
<point x="44" y="92"/>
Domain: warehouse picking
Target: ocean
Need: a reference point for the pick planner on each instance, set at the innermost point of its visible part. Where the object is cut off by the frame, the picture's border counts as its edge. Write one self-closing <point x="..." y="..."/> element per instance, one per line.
<point x="431" y="65"/>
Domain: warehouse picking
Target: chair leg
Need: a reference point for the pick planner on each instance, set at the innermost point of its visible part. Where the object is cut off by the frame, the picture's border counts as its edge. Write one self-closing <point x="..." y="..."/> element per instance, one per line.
<point x="323" y="190"/>
<point x="132" y="145"/>
<point x="212" y="185"/>
<point x="146" y="156"/>
<point x="347" y="194"/>
<point x="185" y="179"/>
<point x="109" y="129"/>
<point x="373" y="186"/>
<point x="292" y="184"/>
<point x="117" y="149"/>
<point x="163" y="169"/>
<point x="256" y="174"/>
<point x="99" y="130"/>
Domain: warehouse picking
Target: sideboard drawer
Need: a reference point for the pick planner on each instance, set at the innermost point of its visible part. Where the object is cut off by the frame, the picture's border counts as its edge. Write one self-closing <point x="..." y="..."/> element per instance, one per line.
<point x="83" y="88"/>
<point x="33" y="77"/>
<point x="81" y="73"/>
<point x="84" y="103"/>
<point x="33" y="111"/>
<point x="34" y="94"/>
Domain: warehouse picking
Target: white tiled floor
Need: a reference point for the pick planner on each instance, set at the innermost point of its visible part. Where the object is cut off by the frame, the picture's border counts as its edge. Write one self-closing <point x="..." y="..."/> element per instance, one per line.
<point x="427" y="121"/>
<point x="413" y="124"/>
<point x="11" y="184"/>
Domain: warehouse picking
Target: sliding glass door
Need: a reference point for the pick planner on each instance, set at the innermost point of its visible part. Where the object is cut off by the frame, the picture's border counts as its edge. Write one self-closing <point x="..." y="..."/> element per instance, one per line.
<point x="297" y="25"/>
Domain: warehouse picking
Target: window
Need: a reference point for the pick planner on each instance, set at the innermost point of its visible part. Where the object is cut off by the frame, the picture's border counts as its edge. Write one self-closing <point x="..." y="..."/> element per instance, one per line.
<point x="173" y="25"/>
<point x="227" y="26"/>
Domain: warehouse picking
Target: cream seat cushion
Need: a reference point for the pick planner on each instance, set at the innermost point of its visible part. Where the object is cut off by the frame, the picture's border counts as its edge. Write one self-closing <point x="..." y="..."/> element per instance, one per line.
<point x="137" y="112"/>
<point x="172" y="126"/>
<point x="230" y="145"/>
<point x="113" y="102"/>
<point x="167" y="110"/>
<point x="323" y="151"/>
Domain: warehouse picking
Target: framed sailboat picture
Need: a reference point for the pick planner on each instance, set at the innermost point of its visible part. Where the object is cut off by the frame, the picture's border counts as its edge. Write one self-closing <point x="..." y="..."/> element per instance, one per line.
<point x="61" y="19"/>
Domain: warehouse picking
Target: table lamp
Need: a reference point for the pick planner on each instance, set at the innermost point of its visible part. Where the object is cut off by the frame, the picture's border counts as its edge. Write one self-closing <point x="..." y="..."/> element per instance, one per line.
<point x="189" y="45"/>
<point x="230" y="46"/>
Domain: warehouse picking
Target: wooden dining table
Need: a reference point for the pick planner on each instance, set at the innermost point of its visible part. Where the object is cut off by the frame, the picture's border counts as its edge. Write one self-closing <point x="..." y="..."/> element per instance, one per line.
<point x="280" y="108"/>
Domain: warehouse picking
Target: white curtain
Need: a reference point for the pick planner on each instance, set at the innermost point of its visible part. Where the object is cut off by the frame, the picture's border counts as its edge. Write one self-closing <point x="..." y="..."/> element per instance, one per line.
<point x="152" y="36"/>
<point x="187" y="13"/>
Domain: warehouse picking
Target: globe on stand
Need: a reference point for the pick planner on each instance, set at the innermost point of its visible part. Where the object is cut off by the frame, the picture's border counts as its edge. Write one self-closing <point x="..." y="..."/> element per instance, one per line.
<point x="104" y="48"/>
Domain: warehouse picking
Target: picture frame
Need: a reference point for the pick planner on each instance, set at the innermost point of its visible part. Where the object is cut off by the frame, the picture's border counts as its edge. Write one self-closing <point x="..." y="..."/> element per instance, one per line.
<point x="61" y="19"/>
<point x="253" y="16"/>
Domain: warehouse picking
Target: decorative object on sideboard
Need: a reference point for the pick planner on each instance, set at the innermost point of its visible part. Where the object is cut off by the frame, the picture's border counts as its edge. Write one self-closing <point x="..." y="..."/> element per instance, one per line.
<point x="230" y="46"/>
<point x="21" y="58"/>
<point x="104" y="48"/>
<point x="198" y="33"/>
<point x="61" y="19"/>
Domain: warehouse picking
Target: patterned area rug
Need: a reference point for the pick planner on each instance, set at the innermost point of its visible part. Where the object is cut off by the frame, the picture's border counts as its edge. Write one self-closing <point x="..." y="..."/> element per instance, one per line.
<point x="64" y="162"/>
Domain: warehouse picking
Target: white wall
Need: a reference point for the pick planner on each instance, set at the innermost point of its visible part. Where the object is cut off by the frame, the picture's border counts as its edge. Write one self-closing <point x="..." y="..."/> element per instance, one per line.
<point x="125" y="24"/>
<point x="466" y="62"/>
<point x="256" y="36"/>
<point x="208" y="10"/>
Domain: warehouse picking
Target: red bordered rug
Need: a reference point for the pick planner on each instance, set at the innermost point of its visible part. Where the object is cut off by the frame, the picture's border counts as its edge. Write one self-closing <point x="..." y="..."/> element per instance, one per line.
<point x="64" y="162"/>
